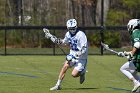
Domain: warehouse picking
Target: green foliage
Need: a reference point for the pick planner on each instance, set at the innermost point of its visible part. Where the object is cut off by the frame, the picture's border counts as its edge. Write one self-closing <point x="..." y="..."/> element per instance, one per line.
<point x="131" y="4"/>
<point x="2" y="38"/>
<point x="54" y="12"/>
<point x="2" y="13"/>
<point x="14" y="37"/>
<point x="116" y="17"/>
<point x="94" y="38"/>
<point x="112" y="38"/>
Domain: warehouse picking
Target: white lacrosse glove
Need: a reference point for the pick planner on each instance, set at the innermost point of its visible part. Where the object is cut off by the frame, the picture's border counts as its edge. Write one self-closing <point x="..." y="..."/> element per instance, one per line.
<point x="47" y="33"/>
<point x="121" y="54"/>
<point x="129" y="55"/>
<point x="71" y="58"/>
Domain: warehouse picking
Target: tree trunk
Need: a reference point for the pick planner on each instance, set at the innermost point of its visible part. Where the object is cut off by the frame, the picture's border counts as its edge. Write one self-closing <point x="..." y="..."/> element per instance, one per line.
<point x="98" y="10"/>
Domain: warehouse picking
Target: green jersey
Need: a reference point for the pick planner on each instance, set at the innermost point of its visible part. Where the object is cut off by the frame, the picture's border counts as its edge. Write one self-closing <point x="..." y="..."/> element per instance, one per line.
<point x="135" y="37"/>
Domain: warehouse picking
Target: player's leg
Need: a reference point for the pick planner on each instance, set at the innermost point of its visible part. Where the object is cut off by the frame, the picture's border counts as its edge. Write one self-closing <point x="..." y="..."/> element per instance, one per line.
<point x="136" y="76"/>
<point x="61" y="76"/>
<point x="127" y="69"/>
<point x="75" y="73"/>
<point x="80" y="69"/>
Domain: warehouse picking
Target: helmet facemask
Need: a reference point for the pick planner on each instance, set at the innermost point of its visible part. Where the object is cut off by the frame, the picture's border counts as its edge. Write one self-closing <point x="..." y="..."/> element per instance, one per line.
<point x="130" y="27"/>
<point x="72" y="30"/>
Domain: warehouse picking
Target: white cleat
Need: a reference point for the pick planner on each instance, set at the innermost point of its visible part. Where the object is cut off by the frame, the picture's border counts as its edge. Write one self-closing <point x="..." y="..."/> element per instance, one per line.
<point x="136" y="86"/>
<point x="82" y="78"/>
<point x="56" y="87"/>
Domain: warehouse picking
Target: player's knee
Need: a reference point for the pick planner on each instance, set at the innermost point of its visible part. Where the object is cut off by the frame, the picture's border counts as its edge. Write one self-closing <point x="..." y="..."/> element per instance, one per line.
<point x="74" y="75"/>
<point x="123" y="69"/>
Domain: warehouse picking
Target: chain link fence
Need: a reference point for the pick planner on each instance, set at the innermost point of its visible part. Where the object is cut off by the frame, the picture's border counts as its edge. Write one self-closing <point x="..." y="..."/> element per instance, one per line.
<point x="30" y="40"/>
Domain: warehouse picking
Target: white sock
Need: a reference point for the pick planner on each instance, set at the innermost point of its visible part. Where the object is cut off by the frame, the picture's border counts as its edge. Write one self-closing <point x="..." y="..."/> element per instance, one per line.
<point x="58" y="82"/>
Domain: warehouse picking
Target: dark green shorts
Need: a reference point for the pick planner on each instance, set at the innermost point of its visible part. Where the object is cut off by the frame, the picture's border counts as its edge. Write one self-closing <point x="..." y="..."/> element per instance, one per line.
<point x="137" y="65"/>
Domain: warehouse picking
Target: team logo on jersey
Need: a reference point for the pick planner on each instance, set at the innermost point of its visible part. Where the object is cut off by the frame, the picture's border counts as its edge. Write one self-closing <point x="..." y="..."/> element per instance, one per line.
<point x="73" y="44"/>
<point x="136" y="39"/>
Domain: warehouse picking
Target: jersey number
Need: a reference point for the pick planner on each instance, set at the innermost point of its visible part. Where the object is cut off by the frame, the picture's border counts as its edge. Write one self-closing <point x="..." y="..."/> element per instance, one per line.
<point x="73" y="45"/>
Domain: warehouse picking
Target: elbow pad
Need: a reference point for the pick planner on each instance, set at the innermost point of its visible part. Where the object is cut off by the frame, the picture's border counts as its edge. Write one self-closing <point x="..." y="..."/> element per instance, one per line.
<point x="79" y="53"/>
<point x="137" y="45"/>
<point x="83" y="49"/>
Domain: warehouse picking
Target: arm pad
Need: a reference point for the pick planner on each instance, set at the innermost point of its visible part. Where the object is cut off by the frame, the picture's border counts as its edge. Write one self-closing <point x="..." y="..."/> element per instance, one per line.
<point x="56" y="40"/>
<point x="137" y="45"/>
<point x="84" y="48"/>
<point x="82" y="51"/>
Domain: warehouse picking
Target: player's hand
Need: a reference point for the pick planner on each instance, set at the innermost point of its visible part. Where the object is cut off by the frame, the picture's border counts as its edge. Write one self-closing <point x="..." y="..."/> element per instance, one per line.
<point x="71" y="58"/>
<point x="58" y="41"/>
<point x="47" y="33"/>
<point x="121" y="54"/>
<point x="129" y="55"/>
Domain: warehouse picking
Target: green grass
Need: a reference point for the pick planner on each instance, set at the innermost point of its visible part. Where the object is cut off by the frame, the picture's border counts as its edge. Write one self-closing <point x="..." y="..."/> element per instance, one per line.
<point x="36" y="74"/>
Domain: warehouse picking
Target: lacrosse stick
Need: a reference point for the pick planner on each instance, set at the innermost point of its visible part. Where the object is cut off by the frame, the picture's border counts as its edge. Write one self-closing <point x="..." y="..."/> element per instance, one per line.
<point x="106" y="47"/>
<point x="47" y="32"/>
<point x="48" y="35"/>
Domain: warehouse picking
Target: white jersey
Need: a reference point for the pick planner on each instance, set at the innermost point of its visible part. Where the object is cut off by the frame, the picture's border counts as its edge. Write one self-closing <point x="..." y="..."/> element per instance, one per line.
<point x="77" y="42"/>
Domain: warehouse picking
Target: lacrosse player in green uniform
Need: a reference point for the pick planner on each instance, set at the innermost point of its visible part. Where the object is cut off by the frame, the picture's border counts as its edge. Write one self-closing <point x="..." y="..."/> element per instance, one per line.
<point x="131" y="67"/>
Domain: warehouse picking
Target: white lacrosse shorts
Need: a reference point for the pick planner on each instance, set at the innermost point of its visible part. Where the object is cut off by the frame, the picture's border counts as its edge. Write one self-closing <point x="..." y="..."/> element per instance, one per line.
<point x="80" y="65"/>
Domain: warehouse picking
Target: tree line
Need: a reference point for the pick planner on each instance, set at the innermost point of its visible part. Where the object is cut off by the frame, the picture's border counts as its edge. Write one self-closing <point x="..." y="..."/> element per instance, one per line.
<point x="56" y="13"/>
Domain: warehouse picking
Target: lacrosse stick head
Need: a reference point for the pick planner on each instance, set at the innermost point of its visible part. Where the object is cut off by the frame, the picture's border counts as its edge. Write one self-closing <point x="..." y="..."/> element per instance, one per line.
<point x="47" y="33"/>
<point x="105" y="46"/>
<point x="46" y="30"/>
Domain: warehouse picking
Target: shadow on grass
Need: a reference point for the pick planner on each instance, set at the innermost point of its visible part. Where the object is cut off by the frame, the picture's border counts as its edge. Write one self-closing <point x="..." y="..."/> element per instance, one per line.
<point x="79" y="88"/>
<point x="119" y="89"/>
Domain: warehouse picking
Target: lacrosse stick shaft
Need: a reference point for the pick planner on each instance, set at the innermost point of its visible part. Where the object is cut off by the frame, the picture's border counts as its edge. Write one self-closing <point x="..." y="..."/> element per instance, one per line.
<point x="113" y="51"/>
<point x="47" y="31"/>
<point x="62" y="50"/>
<point x="105" y="46"/>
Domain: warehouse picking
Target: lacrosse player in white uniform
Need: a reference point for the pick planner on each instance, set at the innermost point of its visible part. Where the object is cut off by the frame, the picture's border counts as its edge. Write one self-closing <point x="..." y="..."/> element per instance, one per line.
<point x="132" y="67"/>
<point x="77" y="57"/>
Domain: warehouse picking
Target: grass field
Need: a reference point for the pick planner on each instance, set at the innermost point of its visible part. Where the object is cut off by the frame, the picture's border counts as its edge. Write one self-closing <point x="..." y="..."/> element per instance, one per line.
<point x="36" y="74"/>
